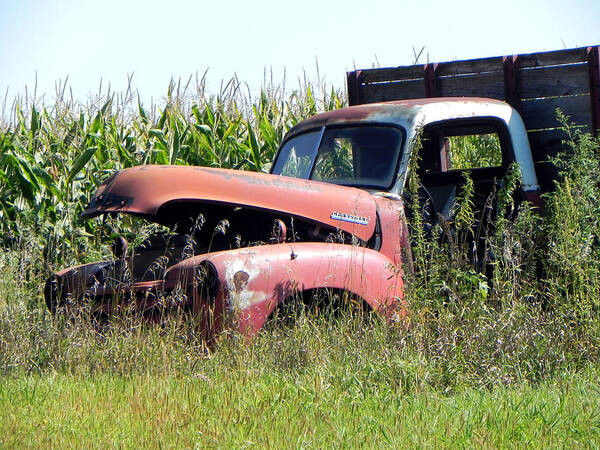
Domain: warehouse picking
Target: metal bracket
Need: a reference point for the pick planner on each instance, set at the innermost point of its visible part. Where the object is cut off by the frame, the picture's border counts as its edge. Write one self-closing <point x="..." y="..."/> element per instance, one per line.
<point x="354" y="81"/>
<point x="431" y="80"/>
<point x="594" y="74"/>
<point x="512" y="81"/>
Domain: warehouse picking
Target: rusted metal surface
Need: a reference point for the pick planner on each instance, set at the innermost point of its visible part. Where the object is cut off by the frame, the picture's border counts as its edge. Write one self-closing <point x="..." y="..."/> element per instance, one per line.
<point x="398" y="112"/>
<point x="354" y="240"/>
<point x="512" y="81"/>
<point x="594" y="74"/>
<point x="535" y="198"/>
<point x="431" y="80"/>
<point x="251" y="282"/>
<point x="71" y="281"/>
<point x="143" y="190"/>
<point x="395" y="241"/>
<point x="415" y="113"/>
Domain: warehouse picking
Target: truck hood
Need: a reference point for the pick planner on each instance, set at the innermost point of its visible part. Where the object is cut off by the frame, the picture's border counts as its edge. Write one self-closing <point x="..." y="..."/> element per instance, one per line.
<point x="143" y="190"/>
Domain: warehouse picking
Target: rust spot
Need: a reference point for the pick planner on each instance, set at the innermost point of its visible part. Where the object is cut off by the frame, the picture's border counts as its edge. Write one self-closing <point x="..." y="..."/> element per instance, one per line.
<point x="240" y="281"/>
<point x="351" y="114"/>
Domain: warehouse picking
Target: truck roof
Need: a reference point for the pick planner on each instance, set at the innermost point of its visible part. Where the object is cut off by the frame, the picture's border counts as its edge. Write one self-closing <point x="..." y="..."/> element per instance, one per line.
<point x="411" y="114"/>
<point x="408" y="113"/>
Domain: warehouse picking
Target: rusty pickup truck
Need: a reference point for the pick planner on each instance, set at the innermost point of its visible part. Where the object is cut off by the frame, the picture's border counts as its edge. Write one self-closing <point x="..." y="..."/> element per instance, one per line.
<point x="331" y="214"/>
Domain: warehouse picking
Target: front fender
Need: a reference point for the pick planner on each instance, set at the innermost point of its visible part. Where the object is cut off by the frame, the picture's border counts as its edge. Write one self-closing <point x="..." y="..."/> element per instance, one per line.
<point x="70" y="282"/>
<point x="253" y="281"/>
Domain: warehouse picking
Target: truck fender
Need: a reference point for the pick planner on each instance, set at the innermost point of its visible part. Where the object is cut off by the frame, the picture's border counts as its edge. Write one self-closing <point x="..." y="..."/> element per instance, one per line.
<point x="70" y="282"/>
<point x="253" y="281"/>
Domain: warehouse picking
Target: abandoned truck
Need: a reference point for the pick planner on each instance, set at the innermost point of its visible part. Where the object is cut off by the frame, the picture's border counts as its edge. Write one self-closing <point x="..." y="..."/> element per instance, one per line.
<point x="331" y="214"/>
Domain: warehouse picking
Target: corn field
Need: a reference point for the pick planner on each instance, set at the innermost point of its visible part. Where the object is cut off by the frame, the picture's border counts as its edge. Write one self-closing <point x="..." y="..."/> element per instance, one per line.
<point x="52" y="157"/>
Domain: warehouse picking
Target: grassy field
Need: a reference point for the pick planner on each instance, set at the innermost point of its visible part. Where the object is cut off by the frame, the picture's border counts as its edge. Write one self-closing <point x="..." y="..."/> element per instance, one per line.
<point x="319" y="408"/>
<point x="502" y="357"/>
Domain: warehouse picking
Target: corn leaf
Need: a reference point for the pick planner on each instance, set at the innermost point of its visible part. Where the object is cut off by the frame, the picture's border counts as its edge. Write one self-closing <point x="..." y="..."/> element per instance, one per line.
<point x="80" y="162"/>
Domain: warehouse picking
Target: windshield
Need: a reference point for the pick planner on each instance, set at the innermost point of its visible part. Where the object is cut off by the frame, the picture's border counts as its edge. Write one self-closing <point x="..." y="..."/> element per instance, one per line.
<point x="362" y="156"/>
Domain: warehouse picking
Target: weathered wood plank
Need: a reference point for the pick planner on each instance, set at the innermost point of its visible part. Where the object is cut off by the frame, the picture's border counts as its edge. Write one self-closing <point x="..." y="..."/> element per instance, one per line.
<point x="541" y="113"/>
<point x="547" y="80"/>
<point x="489" y="85"/>
<point x="470" y="66"/>
<point x="538" y="139"/>
<point x="544" y="145"/>
<point x="540" y="82"/>
<point x="392" y="73"/>
<point x="546" y="173"/>
<point x="556" y="57"/>
<point x="554" y="81"/>
<point x="381" y="92"/>
<point x="539" y="59"/>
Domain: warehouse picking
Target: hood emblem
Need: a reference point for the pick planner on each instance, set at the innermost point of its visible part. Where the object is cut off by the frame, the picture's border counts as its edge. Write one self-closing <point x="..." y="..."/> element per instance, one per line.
<point x="349" y="218"/>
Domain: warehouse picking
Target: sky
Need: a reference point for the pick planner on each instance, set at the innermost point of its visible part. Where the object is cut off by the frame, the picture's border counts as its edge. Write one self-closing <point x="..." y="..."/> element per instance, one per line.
<point x="151" y="41"/>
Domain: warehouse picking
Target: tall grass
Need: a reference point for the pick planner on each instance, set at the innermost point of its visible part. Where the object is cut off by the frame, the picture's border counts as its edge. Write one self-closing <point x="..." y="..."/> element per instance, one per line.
<point x="521" y="304"/>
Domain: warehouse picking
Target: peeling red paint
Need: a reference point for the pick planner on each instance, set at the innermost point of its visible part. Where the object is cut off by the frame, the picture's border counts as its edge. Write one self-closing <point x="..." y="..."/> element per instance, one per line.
<point x="254" y="281"/>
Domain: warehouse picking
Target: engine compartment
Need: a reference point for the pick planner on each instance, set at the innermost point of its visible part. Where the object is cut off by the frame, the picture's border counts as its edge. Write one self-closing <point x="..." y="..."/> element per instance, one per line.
<point x="199" y="228"/>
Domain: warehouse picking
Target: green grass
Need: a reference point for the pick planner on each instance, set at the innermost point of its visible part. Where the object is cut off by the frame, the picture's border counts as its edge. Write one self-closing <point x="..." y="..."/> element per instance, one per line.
<point x="320" y="408"/>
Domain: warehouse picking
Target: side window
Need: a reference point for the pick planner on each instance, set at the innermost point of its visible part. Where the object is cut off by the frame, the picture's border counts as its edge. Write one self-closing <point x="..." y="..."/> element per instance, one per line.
<point x="460" y="147"/>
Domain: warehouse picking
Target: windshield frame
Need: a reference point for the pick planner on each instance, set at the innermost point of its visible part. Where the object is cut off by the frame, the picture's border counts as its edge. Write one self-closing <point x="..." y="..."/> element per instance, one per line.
<point x="321" y="130"/>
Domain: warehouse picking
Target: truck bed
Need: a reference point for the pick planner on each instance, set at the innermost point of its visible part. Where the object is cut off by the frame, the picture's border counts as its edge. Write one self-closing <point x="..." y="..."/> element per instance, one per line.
<point x="534" y="84"/>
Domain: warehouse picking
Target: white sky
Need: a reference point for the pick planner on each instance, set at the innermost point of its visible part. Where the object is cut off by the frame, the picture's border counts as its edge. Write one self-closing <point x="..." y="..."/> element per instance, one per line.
<point x="156" y="40"/>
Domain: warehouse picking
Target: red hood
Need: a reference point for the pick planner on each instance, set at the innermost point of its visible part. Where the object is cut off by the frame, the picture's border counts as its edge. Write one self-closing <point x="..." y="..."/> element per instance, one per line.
<point x="142" y="190"/>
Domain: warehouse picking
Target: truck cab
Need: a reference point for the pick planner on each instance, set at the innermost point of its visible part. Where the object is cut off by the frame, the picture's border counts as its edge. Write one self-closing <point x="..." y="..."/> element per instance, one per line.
<point x="370" y="147"/>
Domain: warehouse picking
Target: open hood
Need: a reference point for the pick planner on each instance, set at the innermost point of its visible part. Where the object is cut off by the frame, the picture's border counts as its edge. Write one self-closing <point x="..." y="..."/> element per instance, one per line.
<point x="143" y="190"/>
